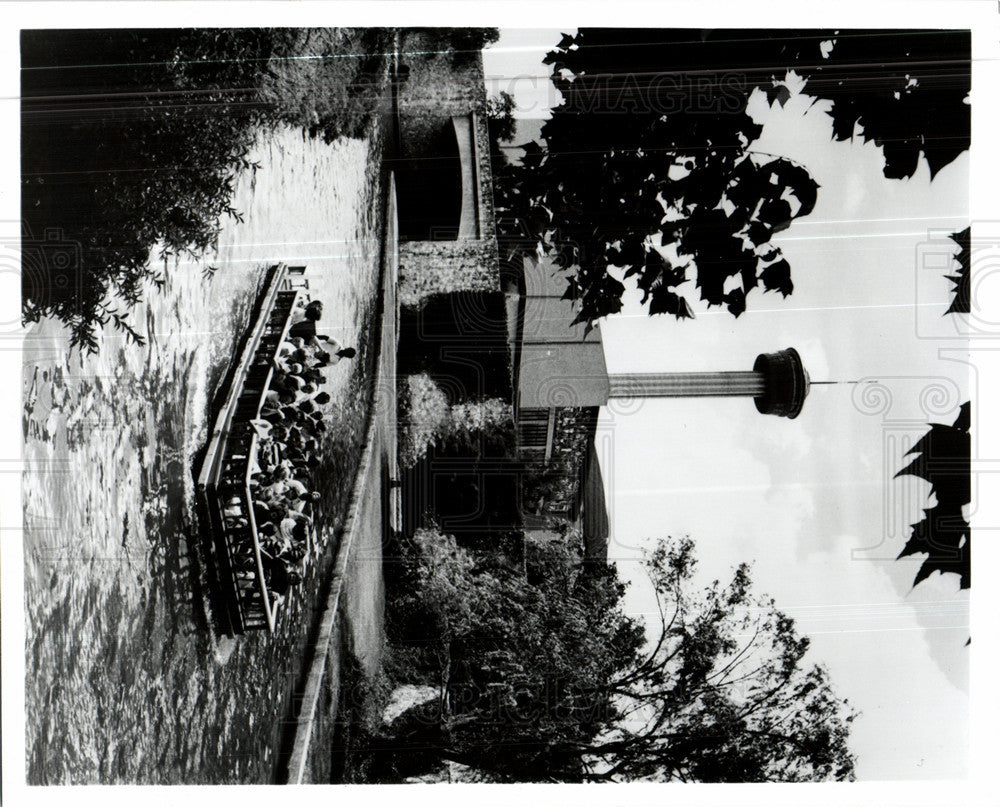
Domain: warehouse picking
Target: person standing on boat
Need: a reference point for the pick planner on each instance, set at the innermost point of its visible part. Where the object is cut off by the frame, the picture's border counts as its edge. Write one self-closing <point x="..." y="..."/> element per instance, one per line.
<point x="312" y="312"/>
<point x="330" y="351"/>
<point x="327" y="349"/>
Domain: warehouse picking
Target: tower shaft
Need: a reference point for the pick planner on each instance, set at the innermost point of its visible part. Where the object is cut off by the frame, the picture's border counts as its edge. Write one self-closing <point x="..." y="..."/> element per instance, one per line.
<point x="687" y="385"/>
<point x="778" y="384"/>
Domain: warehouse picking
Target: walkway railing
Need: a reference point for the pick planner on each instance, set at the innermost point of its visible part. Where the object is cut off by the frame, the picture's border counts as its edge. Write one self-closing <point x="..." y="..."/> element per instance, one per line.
<point x="380" y="447"/>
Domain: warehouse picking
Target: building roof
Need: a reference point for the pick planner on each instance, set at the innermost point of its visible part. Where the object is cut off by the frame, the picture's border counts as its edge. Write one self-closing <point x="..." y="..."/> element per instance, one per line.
<point x="558" y="362"/>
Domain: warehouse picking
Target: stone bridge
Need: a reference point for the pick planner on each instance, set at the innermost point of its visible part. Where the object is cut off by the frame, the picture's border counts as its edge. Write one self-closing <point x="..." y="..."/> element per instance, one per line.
<point x="444" y="177"/>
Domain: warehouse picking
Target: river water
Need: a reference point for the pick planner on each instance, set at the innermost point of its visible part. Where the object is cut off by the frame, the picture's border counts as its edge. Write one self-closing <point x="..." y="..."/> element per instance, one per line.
<point x="126" y="682"/>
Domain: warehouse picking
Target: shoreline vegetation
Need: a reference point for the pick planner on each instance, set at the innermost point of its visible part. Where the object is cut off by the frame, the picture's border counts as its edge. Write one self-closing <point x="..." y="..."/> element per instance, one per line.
<point x="134" y="138"/>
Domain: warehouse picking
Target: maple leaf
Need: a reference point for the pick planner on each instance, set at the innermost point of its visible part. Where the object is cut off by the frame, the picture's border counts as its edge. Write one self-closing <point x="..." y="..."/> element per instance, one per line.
<point x="960" y="280"/>
<point x="777" y="276"/>
<point x="943" y="534"/>
<point x="779" y="93"/>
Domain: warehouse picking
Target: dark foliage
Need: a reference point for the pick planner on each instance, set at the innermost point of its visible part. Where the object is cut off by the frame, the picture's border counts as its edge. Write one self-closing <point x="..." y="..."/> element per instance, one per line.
<point x="545" y="678"/>
<point x="943" y="534"/>
<point x="960" y="280"/>
<point x="906" y="88"/>
<point x="460" y="44"/>
<point x="628" y="167"/>
<point x="136" y="137"/>
<point x="500" y="120"/>
<point x="473" y="496"/>
<point x="652" y="146"/>
<point x="460" y="340"/>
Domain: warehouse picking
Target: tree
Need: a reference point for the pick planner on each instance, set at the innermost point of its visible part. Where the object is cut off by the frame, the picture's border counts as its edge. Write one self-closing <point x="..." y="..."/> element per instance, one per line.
<point x="648" y="164"/>
<point x="553" y="681"/>
<point x="500" y="119"/>
<point x="137" y="137"/>
<point x="943" y="535"/>
<point x="461" y="45"/>
<point x="906" y="89"/>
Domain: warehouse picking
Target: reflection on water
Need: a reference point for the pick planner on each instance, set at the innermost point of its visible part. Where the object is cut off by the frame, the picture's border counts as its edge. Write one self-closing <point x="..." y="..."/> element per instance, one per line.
<point x="125" y="682"/>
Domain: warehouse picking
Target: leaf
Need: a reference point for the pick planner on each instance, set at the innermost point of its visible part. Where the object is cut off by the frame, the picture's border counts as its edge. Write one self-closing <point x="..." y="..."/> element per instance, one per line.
<point x="943" y="460"/>
<point x="964" y="420"/>
<point x="777" y="214"/>
<point x="711" y="280"/>
<point x="628" y="254"/>
<point x="917" y="468"/>
<point x="795" y="179"/>
<point x="938" y="155"/>
<point x="665" y="301"/>
<point x="937" y="563"/>
<point x="938" y="434"/>
<point x="928" y="567"/>
<point x="736" y="302"/>
<point x="901" y="160"/>
<point x="845" y="121"/>
<point x="572" y="291"/>
<point x="759" y="233"/>
<point x="779" y="93"/>
<point x="777" y="276"/>
<point x="657" y="271"/>
<point x="960" y="281"/>
<point x="919" y="541"/>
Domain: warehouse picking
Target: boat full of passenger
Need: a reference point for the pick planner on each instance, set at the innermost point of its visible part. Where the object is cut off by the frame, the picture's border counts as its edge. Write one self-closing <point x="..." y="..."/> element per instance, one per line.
<point x="254" y="489"/>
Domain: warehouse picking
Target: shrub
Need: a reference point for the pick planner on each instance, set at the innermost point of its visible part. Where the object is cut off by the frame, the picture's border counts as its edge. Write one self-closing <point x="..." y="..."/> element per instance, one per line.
<point x="423" y="409"/>
<point x="427" y="419"/>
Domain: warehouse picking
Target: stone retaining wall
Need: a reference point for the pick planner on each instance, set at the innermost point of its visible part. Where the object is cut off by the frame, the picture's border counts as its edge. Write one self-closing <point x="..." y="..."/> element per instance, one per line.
<point x="442" y="267"/>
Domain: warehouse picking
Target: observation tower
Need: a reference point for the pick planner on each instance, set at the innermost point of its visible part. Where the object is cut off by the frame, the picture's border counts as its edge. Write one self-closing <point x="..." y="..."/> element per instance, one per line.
<point x="778" y="384"/>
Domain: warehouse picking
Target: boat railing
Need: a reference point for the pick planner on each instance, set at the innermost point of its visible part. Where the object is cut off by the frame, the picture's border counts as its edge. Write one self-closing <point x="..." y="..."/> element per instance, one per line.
<point x="224" y="484"/>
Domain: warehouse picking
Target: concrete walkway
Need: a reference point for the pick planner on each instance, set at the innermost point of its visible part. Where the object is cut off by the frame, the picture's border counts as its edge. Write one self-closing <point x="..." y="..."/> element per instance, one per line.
<point x="352" y="619"/>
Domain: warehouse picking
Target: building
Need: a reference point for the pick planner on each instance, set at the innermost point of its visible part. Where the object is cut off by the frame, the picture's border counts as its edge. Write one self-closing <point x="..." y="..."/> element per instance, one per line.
<point x="509" y="328"/>
<point x="561" y="381"/>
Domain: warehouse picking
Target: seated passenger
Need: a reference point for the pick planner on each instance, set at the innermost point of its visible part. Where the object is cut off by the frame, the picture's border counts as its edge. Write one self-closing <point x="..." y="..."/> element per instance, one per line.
<point x="279" y="578"/>
<point x="311" y="311"/>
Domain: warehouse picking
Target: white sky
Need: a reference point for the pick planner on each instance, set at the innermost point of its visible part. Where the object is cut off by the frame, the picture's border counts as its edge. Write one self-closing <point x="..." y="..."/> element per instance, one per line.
<point x="810" y="501"/>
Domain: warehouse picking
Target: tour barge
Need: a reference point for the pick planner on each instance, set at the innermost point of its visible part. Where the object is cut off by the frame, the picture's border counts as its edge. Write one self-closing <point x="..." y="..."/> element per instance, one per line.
<point x="223" y="498"/>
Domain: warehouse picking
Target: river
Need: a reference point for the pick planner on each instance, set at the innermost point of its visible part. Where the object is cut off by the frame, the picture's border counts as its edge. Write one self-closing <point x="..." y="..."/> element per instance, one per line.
<point x="126" y="682"/>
